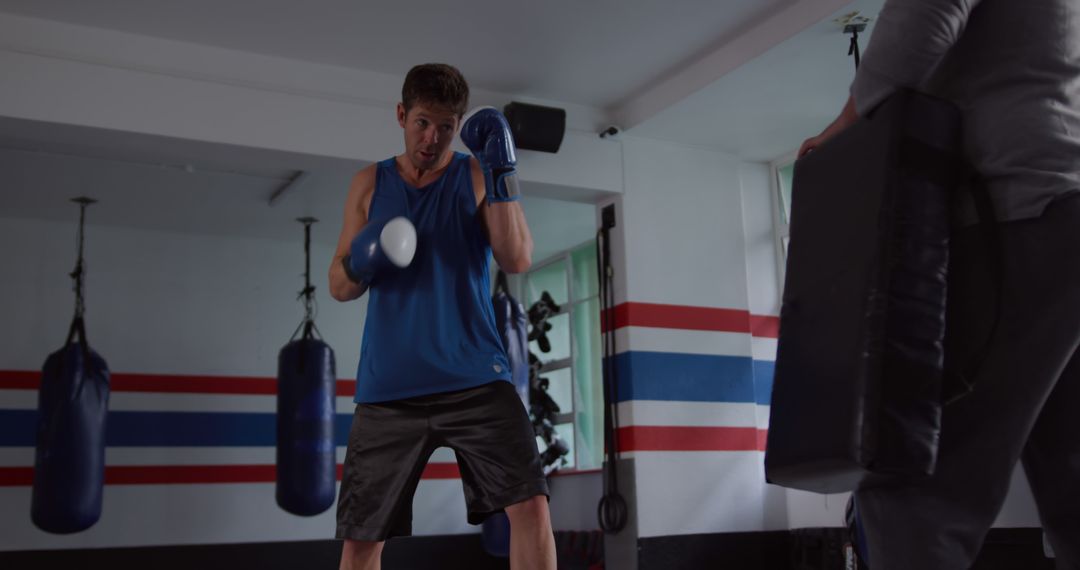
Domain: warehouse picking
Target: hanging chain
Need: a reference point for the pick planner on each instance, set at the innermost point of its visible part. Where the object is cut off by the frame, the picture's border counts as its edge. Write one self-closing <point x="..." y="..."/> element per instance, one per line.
<point x="853" y="47"/>
<point x="308" y="292"/>
<point x="853" y="23"/>
<point x="80" y="269"/>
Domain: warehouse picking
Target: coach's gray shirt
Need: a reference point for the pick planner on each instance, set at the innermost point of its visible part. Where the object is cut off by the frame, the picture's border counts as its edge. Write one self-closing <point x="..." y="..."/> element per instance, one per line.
<point x="1012" y="66"/>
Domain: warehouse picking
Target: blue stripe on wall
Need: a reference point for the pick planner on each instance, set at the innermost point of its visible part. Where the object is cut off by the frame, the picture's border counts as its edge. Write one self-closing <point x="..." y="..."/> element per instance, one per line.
<point x="763" y="380"/>
<point x="170" y="429"/>
<point x="674" y="377"/>
<point x="662" y="376"/>
<point x="669" y="376"/>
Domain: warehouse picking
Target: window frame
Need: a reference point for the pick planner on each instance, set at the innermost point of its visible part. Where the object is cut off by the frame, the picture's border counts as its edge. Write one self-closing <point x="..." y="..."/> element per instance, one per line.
<point x="781" y="223"/>
<point x="567" y="308"/>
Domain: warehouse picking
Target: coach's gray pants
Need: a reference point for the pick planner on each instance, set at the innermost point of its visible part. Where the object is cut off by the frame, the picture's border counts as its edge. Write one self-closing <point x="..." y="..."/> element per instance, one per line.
<point x="1025" y="406"/>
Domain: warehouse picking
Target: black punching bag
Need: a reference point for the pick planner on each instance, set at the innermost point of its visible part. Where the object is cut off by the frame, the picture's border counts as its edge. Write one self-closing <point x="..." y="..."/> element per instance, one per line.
<point x="73" y="401"/>
<point x="306" y="458"/>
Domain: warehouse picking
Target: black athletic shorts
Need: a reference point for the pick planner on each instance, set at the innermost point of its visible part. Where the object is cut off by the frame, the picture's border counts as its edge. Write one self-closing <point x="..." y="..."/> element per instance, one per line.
<point x="390" y="443"/>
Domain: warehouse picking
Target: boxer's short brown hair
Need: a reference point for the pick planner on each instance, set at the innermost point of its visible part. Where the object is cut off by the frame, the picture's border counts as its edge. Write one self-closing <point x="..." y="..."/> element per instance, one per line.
<point x="436" y="84"/>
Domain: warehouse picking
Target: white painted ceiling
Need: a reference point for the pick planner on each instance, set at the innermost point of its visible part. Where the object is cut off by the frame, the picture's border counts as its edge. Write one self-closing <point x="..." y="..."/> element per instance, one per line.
<point x="695" y="71"/>
<point x="783" y="74"/>
<point x="764" y="109"/>
<point x="591" y="52"/>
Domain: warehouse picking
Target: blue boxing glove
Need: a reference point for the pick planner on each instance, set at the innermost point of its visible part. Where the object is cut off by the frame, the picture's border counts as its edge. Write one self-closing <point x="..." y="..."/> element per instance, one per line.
<point x="381" y="246"/>
<point x="486" y="133"/>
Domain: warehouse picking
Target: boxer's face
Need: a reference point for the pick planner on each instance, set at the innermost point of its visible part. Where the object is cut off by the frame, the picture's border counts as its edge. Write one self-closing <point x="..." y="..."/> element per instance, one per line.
<point x="429" y="130"/>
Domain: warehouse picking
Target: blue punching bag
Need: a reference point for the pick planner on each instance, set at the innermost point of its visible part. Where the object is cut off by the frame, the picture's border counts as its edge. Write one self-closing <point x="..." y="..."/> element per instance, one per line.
<point x="69" y="463"/>
<point x="495" y="535"/>
<point x="73" y="402"/>
<point x="306" y="458"/>
<point x="512" y="323"/>
<point x="306" y="462"/>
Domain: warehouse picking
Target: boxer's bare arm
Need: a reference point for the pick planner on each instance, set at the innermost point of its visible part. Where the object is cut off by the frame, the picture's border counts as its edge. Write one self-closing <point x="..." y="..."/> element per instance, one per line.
<point x="357" y="204"/>
<point x="504" y="222"/>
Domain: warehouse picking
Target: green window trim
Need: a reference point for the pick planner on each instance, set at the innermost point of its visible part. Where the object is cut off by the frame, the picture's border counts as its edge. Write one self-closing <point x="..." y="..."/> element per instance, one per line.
<point x="573" y="366"/>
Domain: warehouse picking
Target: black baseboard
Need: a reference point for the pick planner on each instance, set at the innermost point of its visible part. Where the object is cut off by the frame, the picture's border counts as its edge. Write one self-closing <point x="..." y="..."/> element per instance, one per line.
<point x="576" y="551"/>
<point x="418" y="552"/>
<point x="804" y="549"/>
<point x="735" y="550"/>
<point x="816" y="549"/>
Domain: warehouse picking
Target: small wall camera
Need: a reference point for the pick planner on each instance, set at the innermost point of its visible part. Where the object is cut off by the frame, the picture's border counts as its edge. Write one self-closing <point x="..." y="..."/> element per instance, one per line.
<point x="611" y="131"/>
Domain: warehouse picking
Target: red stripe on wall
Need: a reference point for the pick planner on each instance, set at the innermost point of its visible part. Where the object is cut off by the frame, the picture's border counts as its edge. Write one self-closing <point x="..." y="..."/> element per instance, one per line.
<point x="634" y="438"/>
<point x="685" y="317"/>
<point x="346" y="388"/>
<point x="179" y="474"/>
<point x="441" y="471"/>
<point x="765" y="326"/>
<point x="189" y="474"/>
<point x="159" y="474"/>
<point x="681" y="317"/>
<point x="19" y="379"/>
<point x="193" y="474"/>
<point x="171" y="384"/>
<point x="680" y="438"/>
<point x="16" y="476"/>
<point x="193" y="384"/>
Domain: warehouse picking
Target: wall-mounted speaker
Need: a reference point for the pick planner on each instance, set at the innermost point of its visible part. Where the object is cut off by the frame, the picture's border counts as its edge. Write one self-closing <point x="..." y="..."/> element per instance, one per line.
<point x="536" y="127"/>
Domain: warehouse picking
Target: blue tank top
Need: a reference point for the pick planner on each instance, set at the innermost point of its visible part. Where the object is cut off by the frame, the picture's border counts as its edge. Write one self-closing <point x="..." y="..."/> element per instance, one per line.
<point x="431" y="327"/>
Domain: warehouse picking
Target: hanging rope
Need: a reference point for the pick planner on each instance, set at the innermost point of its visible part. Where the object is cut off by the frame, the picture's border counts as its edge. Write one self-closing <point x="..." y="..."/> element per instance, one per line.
<point x="307" y="294"/>
<point x="80" y="270"/>
<point x="78" y="327"/>
<point x="853" y="49"/>
<point x="612" y="510"/>
<point x="853" y="23"/>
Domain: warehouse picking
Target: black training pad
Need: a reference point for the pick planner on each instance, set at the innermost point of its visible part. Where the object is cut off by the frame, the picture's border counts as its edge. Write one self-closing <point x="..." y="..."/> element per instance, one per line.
<point x="856" y="397"/>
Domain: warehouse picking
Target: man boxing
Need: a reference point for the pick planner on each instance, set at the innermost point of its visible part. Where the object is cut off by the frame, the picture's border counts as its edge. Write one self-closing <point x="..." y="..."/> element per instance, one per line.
<point x="432" y="370"/>
<point x="1013" y="69"/>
